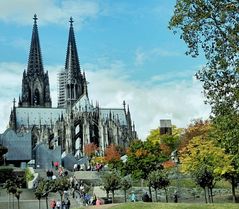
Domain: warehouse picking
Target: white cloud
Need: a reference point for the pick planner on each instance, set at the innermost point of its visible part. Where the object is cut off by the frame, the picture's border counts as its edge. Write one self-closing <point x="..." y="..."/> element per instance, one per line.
<point x="143" y="55"/>
<point x="21" y="11"/>
<point x="180" y="101"/>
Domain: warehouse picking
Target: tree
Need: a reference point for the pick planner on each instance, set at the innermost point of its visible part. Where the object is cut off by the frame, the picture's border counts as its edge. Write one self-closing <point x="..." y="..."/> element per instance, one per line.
<point x="203" y="159"/>
<point x="13" y="185"/>
<point x="110" y="182"/>
<point x="18" y="195"/>
<point x="125" y="184"/>
<point x="112" y="156"/>
<point x="60" y="185"/>
<point x="159" y="180"/>
<point x="39" y="195"/>
<point x="143" y="157"/>
<point x="213" y="25"/>
<point x="198" y="127"/>
<point x="11" y="188"/>
<point x="167" y="142"/>
<point x="90" y="149"/>
<point x="42" y="190"/>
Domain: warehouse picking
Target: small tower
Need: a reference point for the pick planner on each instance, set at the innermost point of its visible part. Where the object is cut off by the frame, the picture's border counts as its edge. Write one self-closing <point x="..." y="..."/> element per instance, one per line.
<point x="165" y="127"/>
<point x="13" y="120"/>
<point x="35" y="82"/>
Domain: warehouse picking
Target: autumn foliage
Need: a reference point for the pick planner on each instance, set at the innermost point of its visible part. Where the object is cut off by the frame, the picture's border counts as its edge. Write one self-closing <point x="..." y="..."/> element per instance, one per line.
<point x="90" y="149"/>
<point x="196" y="128"/>
<point x="111" y="153"/>
<point x="168" y="164"/>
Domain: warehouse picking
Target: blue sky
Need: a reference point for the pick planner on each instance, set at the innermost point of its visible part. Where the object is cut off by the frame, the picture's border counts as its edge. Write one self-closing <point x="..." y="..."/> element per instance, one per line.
<point x="125" y="48"/>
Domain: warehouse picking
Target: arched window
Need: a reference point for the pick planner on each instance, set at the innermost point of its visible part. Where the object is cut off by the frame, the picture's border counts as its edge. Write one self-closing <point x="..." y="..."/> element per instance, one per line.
<point x="36" y="98"/>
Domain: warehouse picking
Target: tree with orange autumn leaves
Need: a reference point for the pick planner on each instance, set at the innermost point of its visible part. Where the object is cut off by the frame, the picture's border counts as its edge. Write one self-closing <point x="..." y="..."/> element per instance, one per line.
<point x="90" y="149"/>
<point x="196" y="128"/>
<point x="112" y="154"/>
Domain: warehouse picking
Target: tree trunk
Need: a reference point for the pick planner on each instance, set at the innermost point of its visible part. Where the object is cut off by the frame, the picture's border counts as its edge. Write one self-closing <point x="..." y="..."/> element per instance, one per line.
<point x="39" y="204"/>
<point x="61" y="195"/>
<point x="150" y="192"/>
<point x="125" y="200"/>
<point x="9" y="200"/>
<point x="113" y="196"/>
<point x="13" y="201"/>
<point x="156" y="195"/>
<point x="233" y="189"/>
<point x="18" y="203"/>
<point x="166" y="194"/>
<point x="209" y="195"/>
<point x="107" y="194"/>
<point x="205" y="194"/>
<point x="46" y="202"/>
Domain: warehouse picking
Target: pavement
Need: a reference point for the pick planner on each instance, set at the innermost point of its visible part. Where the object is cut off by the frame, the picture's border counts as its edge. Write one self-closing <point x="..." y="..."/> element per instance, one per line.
<point x="28" y="200"/>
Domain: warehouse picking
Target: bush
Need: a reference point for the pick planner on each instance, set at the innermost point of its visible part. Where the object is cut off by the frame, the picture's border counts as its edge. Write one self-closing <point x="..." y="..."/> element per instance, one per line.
<point x="5" y="173"/>
<point x="28" y="175"/>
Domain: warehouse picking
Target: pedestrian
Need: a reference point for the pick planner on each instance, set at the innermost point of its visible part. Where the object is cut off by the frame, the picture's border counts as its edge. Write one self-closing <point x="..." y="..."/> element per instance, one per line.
<point x="63" y="204"/>
<point x="94" y="200"/>
<point x="133" y="197"/>
<point x="53" y="204"/>
<point x="98" y="202"/>
<point x="58" y="204"/>
<point x="67" y="203"/>
<point x="145" y="197"/>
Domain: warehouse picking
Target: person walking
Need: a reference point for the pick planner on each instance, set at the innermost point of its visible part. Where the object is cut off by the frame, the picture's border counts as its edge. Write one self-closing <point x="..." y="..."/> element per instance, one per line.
<point x="58" y="204"/>
<point x="67" y="203"/>
<point x="53" y="204"/>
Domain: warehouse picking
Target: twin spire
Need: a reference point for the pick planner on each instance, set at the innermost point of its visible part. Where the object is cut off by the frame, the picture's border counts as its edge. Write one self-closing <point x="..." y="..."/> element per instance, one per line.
<point x="35" y="64"/>
<point x="35" y="82"/>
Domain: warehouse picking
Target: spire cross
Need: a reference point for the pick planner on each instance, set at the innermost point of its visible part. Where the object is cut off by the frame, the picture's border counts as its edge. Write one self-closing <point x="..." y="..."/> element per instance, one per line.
<point x="35" y="18"/>
<point x="71" y="20"/>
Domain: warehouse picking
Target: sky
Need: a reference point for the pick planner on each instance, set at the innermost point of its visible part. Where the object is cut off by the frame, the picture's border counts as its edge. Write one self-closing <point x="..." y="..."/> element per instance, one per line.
<point x="125" y="48"/>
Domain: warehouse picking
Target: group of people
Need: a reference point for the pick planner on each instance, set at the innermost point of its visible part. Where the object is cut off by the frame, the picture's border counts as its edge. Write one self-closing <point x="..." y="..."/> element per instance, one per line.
<point x="65" y="204"/>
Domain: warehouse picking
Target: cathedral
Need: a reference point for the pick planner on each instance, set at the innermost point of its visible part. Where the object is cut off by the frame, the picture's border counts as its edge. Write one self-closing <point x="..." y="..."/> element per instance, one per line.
<point x="75" y="121"/>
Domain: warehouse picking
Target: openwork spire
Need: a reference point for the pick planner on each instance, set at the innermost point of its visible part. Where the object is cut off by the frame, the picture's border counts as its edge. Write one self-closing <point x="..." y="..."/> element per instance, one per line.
<point x="35" y="65"/>
<point x="72" y="60"/>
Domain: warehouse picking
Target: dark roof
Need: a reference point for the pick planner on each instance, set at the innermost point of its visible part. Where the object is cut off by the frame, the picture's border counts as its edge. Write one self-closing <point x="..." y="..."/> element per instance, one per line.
<point x="19" y="145"/>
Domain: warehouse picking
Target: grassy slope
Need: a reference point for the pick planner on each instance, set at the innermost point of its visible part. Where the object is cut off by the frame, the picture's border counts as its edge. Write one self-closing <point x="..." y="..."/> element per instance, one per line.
<point x="142" y="205"/>
<point x="173" y="206"/>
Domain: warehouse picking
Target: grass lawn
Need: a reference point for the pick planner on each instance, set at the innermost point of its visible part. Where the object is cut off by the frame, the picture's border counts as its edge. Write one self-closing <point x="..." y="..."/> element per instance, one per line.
<point x="143" y="205"/>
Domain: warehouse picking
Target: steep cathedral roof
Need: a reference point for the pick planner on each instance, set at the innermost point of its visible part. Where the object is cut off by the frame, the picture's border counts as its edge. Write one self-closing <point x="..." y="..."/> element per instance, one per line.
<point x="35" y="64"/>
<point x="72" y="64"/>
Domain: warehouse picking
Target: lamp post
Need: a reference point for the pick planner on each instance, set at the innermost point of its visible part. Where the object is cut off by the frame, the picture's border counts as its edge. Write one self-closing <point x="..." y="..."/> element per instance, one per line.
<point x="175" y="159"/>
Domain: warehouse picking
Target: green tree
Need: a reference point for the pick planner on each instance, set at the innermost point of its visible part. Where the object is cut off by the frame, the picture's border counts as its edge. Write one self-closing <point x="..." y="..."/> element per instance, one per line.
<point x="203" y="159"/>
<point x="39" y="195"/>
<point x="125" y="184"/>
<point x="143" y="157"/>
<point x="210" y="25"/>
<point x="167" y="142"/>
<point x="13" y="185"/>
<point x="18" y="195"/>
<point x="60" y="185"/>
<point x="213" y="26"/>
<point x="110" y="182"/>
<point x="159" y="180"/>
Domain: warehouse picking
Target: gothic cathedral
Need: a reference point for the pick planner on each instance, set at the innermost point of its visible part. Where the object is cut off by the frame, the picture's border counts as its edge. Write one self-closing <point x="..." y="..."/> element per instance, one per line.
<point x="75" y="122"/>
